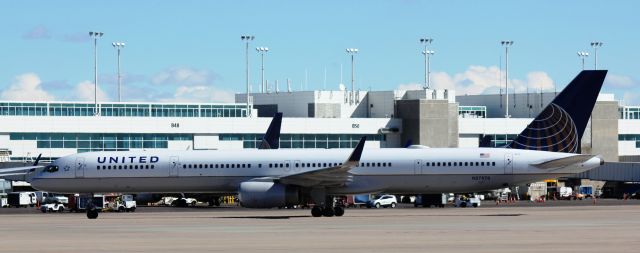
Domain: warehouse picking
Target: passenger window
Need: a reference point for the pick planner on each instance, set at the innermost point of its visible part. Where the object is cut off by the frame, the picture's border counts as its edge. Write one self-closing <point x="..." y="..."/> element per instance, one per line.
<point x="477" y="164"/>
<point x="287" y="165"/>
<point x="248" y="165"/>
<point x="493" y="164"/>
<point x="153" y="166"/>
<point x="308" y="164"/>
<point x="281" y="165"/>
<point x="146" y="166"/>
<point x="482" y="164"/>
<point x="259" y="165"/>
<point x="98" y="168"/>
<point x="270" y="165"/>
<point x="449" y="164"/>
<point x="389" y="164"/>
<point x="297" y="165"/>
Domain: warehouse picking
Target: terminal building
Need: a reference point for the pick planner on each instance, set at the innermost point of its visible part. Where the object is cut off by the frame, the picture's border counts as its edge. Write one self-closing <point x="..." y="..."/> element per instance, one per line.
<point x="312" y="119"/>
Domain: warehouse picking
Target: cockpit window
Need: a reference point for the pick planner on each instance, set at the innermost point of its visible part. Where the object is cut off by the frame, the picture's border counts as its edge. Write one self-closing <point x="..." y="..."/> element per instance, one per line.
<point x="51" y="168"/>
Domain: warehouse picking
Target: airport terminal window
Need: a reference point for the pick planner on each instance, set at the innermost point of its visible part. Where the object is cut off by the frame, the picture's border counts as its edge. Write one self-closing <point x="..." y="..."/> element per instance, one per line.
<point x="322" y="141"/>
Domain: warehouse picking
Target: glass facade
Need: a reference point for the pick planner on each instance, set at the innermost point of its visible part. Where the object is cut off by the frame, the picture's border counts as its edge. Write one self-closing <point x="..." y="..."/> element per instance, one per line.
<point x="123" y="110"/>
<point x="305" y="140"/>
<point x="497" y="140"/>
<point x="85" y="142"/>
<point x="630" y="112"/>
<point x="472" y="111"/>
<point x="630" y="137"/>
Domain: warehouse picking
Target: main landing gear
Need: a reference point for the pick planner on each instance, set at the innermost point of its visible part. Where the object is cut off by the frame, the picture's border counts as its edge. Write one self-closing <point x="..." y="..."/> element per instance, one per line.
<point x="318" y="211"/>
<point x="327" y="210"/>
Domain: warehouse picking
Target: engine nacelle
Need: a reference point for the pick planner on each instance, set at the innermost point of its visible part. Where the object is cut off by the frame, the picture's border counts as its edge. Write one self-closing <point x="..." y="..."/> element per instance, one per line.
<point x="267" y="195"/>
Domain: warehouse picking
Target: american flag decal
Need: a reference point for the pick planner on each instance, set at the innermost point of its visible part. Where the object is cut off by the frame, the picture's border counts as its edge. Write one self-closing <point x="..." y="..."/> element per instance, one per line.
<point x="485" y="155"/>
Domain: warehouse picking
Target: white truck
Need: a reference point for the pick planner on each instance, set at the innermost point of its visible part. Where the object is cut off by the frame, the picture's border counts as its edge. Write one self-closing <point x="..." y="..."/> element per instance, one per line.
<point x="52" y="207"/>
<point x="463" y="201"/>
<point x="21" y="199"/>
<point x="125" y="203"/>
<point x="47" y="197"/>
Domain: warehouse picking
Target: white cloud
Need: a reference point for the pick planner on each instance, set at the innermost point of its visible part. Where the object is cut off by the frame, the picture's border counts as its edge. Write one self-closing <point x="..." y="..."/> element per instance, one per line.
<point x="410" y="86"/>
<point x="26" y="87"/>
<point x="38" y="32"/>
<point x="184" y="76"/>
<point x="84" y="91"/>
<point x="631" y="98"/>
<point x="481" y="79"/>
<point x="201" y="93"/>
<point x="618" y="81"/>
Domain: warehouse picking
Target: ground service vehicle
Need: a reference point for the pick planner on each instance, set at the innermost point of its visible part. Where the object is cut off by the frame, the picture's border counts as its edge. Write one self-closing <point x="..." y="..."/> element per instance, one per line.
<point x="463" y="201"/>
<point x="383" y="201"/>
<point x="126" y="204"/>
<point x="21" y="199"/>
<point x="79" y="203"/>
<point x="428" y="200"/>
<point x="52" y="207"/>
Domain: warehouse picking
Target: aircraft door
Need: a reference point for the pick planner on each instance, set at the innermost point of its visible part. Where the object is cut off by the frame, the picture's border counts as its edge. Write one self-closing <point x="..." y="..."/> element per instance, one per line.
<point x="508" y="163"/>
<point x="417" y="167"/>
<point x="173" y="167"/>
<point x="80" y="167"/>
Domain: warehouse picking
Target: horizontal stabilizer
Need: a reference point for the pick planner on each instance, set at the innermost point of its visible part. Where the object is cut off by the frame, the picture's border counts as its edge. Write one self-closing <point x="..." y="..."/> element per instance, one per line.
<point x="563" y="162"/>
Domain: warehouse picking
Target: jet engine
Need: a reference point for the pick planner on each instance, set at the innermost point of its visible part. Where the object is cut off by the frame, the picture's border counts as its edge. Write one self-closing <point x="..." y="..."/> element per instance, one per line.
<point x="267" y="195"/>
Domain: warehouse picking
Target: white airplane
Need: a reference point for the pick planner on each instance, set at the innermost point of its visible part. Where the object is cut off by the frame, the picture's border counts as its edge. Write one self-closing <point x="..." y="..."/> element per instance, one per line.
<point x="547" y="148"/>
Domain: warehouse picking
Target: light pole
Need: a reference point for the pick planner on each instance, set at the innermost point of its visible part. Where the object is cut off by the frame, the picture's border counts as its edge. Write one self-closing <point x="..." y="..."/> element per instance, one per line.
<point x="507" y="44"/>
<point x="95" y="36"/>
<point x="583" y="55"/>
<point x="596" y="45"/>
<point x="247" y="39"/>
<point x="262" y="51"/>
<point x="119" y="46"/>
<point x="352" y="52"/>
<point x="427" y="70"/>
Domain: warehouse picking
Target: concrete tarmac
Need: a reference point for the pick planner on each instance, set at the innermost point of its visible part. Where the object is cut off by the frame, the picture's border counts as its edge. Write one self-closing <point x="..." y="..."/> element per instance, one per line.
<point x="490" y="229"/>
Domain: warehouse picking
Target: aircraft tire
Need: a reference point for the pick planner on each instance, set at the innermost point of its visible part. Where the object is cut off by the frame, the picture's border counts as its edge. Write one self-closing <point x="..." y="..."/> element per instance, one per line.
<point x="328" y="212"/>
<point x="92" y="214"/>
<point x="316" y="211"/>
<point x="339" y="211"/>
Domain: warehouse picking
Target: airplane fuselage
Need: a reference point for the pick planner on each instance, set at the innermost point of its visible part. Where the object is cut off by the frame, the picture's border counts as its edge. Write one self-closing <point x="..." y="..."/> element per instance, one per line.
<point x="429" y="170"/>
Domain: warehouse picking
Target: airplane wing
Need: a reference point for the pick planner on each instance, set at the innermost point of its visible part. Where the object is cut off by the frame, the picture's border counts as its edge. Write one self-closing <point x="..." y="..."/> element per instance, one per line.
<point x="331" y="176"/>
<point x="16" y="169"/>
<point x="13" y="174"/>
<point x="563" y="162"/>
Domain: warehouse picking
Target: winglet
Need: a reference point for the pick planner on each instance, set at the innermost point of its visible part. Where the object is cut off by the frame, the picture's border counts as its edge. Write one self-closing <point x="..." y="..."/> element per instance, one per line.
<point x="357" y="152"/>
<point x="271" y="139"/>
<point x="37" y="160"/>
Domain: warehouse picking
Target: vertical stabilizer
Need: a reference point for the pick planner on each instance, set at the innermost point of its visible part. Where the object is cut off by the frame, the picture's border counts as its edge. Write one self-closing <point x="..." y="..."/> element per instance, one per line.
<point x="560" y="126"/>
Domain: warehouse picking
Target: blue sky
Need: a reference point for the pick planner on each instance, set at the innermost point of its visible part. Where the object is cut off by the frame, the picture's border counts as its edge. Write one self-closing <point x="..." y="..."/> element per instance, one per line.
<point x="191" y="50"/>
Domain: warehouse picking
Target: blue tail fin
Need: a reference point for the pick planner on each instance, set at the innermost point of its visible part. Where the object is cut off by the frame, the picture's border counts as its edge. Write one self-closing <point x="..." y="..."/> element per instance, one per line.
<point x="271" y="139"/>
<point x="560" y="126"/>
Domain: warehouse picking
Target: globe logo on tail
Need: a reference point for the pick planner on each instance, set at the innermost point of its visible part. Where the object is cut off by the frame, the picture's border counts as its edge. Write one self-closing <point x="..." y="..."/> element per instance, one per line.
<point x="553" y="130"/>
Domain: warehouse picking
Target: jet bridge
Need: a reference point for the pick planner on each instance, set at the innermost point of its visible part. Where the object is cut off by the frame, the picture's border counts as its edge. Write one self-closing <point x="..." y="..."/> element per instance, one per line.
<point x="613" y="171"/>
